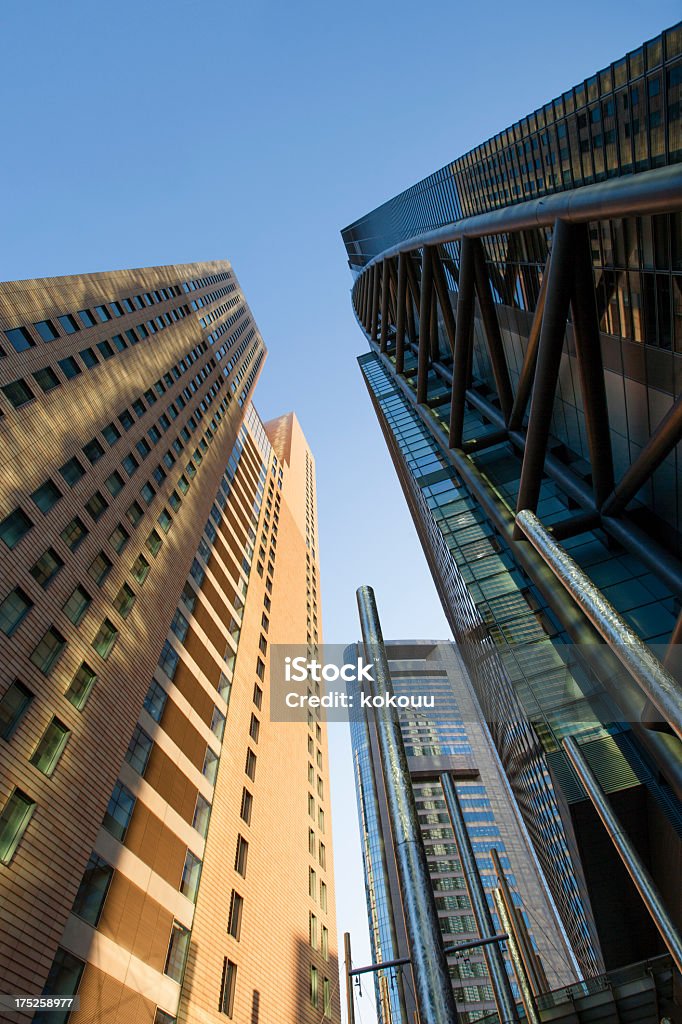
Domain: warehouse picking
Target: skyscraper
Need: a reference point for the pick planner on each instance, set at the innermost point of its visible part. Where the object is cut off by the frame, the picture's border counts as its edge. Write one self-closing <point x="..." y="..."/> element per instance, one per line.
<point x="156" y="539"/>
<point x="451" y="737"/>
<point x="523" y="310"/>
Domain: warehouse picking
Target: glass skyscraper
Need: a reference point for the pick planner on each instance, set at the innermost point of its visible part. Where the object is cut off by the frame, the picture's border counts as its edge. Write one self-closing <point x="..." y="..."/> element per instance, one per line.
<point x="523" y="307"/>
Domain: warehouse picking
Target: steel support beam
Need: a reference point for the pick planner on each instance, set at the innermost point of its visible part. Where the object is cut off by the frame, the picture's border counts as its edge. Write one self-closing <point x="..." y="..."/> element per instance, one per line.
<point x="504" y="997"/>
<point x="653" y="679"/>
<point x="401" y="302"/>
<point x="590" y="365"/>
<point x="667" y="434"/>
<point x="433" y="988"/>
<point x="491" y="330"/>
<point x="413" y="299"/>
<point x="374" y="315"/>
<point x="547" y="369"/>
<point x="442" y="291"/>
<point x="434" y="338"/>
<point x="463" y="342"/>
<point x="384" y="305"/>
<point x="525" y="385"/>
<point x="627" y="852"/>
<point x="424" y="325"/>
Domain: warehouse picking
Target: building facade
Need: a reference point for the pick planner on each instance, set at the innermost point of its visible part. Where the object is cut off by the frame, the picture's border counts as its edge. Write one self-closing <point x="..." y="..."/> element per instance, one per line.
<point x="156" y="538"/>
<point x="523" y="308"/>
<point x="451" y="737"/>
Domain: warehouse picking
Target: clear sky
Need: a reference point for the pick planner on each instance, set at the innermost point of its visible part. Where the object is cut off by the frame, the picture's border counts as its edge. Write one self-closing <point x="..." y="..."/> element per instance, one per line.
<point x="149" y="132"/>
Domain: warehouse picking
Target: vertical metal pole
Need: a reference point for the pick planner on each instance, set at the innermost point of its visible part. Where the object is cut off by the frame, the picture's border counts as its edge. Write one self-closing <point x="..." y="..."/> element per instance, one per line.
<point x="628" y="854"/>
<point x="463" y="341"/>
<point x="384" y="305"/>
<point x="530" y="962"/>
<point x="590" y="365"/>
<point x="350" y="1008"/>
<point x="401" y="302"/>
<point x="547" y="370"/>
<point x="516" y="959"/>
<point x="433" y="988"/>
<point x="424" y="325"/>
<point x="504" y="997"/>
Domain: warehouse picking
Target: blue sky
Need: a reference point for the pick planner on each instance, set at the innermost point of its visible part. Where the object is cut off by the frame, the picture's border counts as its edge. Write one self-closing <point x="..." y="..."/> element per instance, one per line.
<point x="148" y="133"/>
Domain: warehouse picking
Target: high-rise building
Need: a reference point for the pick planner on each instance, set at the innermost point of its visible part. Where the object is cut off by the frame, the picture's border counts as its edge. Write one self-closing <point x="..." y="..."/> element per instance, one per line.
<point x="450" y="737"/>
<point x="523" y="307"/>
<point x="157" y="854"/>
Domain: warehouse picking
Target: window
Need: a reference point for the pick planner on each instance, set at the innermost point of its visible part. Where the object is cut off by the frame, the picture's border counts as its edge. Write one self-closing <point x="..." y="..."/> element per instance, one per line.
<point x="74" y="533"/>
<point x="218" y="723"/>
<point x="147" y="493"/>
<point x="51" y="746"/>
<point x="323" y="855"/>
<point x="18" y="393"/>
<point x="165" y="520"/>
<point x="260" y="669"/>
<point x="325" y="942"/>
<point x="47" y="496"/>
<point x="111" y="434"/>
<point x="250" y="766"/>
<point x="86" y="317"/>
<point x="93" y="451"/>
<point x="68" y="323"/>
<point x="72" y="471"/>
<point x="254" y="728"/>
<point x="210" y="769"/>
<point x="81" y="686"/>
<point x="124" y="601"/>
<point x="139" y="408"/>
<point x="77" y="605"/>
<point x="320" y="788"/>
<point x="105" y="349"/>
<point x="100" y="568"/>
<point x="93" y="889"/>
<point x="48" y="650"/>
<point x="241" y="856"/>
<point x="154" y="543"/>
<point x="312" y="930"/>
<point x="15" y="526"/>
<point x="247" y="806"/>
<point x="19" y="339"/>
<point x="135" y="513"/>
<point x="14" y="820"/>
<point x="143" y="448"/>
<point x="234" y="920"/>
<point x="140" y="569"/>
<point x="63" y="980"/>
<point x="313" y="985"/>
<point x="14" y="704"/>
<point x="47" y="330"/>
<point x="119" y="538"/>
<point x="258" y="696"/>
<point x="191" y="873"/>
<point x="312" y="882"/>
<point x="69" y="367"/>
<point x="327" y="997"/>
<point x="96" y="506"/>
<point x="89" y="358"/>
<point x="103" y="313"/>
<point x="114" y="483"/>
<point x="107" y="636"/>
<point x="129" y="463"/>
<point x="179" y="626"/>
<point x="202" y="814"/>
<point x="13" y="610"/>
<point x="177" y="952"/>
<point x="126" y="420"/>
<point x="139" y="749"/>
<point x="155" y="701"/>
<point x="119" y="812"/>
<point x="323" y="895"/>
<point x="189" y="597"/>
<point x="228" y="987"/>
<point x="46" y="379"/>
<point x="168" y="659"/>
<point x="311" y="841"/>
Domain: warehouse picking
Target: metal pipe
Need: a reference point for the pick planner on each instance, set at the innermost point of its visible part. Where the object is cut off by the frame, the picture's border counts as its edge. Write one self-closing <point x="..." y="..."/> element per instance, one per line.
<point x="463" y="342"/>
<point x="517" y="960"/>
<point x="647" y="192"/>
<point x="424" y="326"/>
<point x="491" y="330"/>
<point x="433" y="989"/>
<point x="651" y="676"/>
<point x="547" y="369"/>
<point x="657" y="448"/>
<point x="524" y="387"/>
<point x="504" y="997"/>
<point x="628" y="854"/>
<point x="374" y="315"/>
<point x="519" y="936"/>
<point x="401" y="302"/>
<point x="399" y="962"/>
<point x="475" y="943"/>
